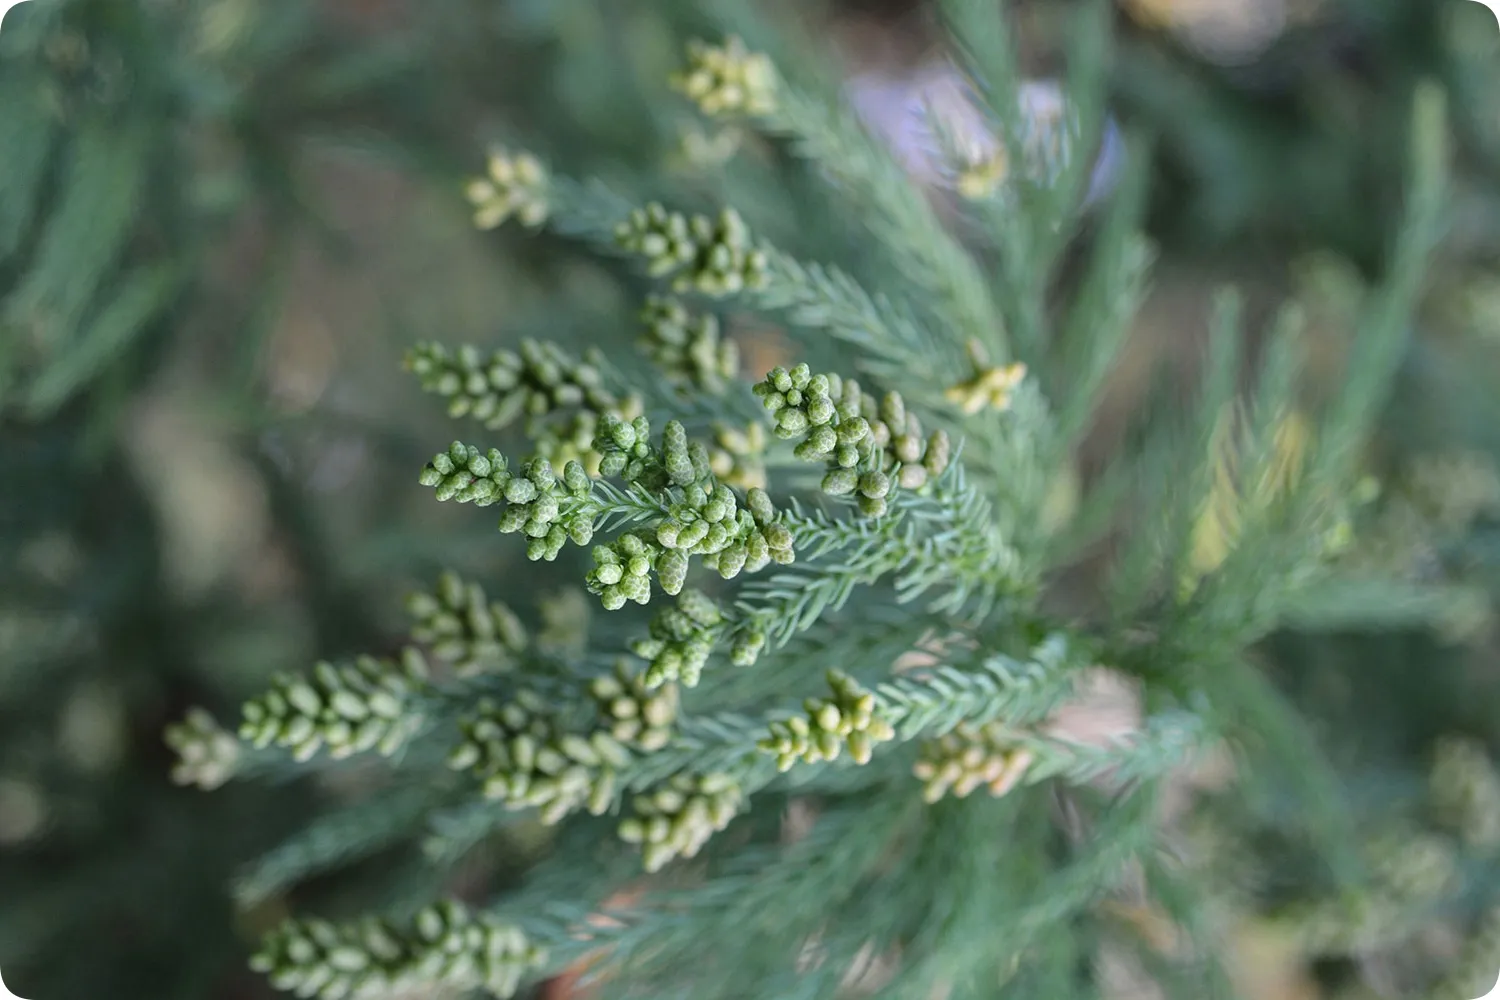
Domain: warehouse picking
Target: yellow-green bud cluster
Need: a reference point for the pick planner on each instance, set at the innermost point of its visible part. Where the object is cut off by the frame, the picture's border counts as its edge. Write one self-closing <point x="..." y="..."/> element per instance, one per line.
<point x="352" y="707"/>
<point x="967" y="758"/>
<point x="465" y="474"/>
<point x="698" y="149"/>
<point x="704" y="517"/>
<point x="526" y="759"/>
<point x="572" y="439"/>
<point x="682" y="463"/>
<point x="681" y="639"/>
<point x="977" y="177"/>
<point x="1342" y="924"/>
<point x="633" y="713"/>
<point x="627" y="452"/>
<point x="1465" y="790"/>
<point x="622" y="570"/>
<point x="748" y="644"/>
<point x="738" y="456"/>
<point x="462" y="628"/>
<point x="512" y="185"/>
<point x="729" y="537"/>
<point x="714" y="257"/>
<point x="445" y="945"/>
<point x="207" y="753"/>
<point x="847" y="720"/>
<point x="675" y="821"/>
<point x="728" y="79"/>
<point x="991" y="388"/>
<point x="549" y="510"/>
<point x="871" y="447"/>
<point x="688" y="349"/>
<point x="500" y="387"/>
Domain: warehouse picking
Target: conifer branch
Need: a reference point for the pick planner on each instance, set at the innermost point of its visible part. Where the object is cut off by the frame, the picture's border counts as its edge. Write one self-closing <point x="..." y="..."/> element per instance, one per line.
<point x="936" y="700"/>
<point x="1236" y="510"/>
<point x="937" y="540"/>
<point x="1100" y="316"/>
<point x="811" y="296"/>
<point x="1377" y="352"/>
<point x="729" y="80"/>
<point x="586" y="210"/>
<point x="445" y="945"/>
<point x="823" y="298"/>
<point x="349" y="834"/>
<point x="925" y="703"/>
<point x="898" y="214"/>
<point x="1179" y="891"/>
<point x="1127" y="829"/>
<point x="1163" y="744"/>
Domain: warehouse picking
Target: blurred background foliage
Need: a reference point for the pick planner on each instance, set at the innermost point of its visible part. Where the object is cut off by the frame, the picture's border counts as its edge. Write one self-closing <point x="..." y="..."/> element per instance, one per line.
<point x="223" y="221"/>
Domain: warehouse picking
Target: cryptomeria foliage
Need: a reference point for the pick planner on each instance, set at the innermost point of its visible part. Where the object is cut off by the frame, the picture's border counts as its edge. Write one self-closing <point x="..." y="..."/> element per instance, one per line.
<point x="834" y="735"/>
<point x="164" y="179"/>
<point x="143" y="147"/>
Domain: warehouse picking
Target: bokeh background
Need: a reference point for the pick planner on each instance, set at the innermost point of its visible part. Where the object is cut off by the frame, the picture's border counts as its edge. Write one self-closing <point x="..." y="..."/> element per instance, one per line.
<point x="223" y="221"/>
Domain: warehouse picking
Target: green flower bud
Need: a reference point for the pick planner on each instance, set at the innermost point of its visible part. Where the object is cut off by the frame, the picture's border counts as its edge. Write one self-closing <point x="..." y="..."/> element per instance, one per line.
<point x="747" y="648"/>
<point x="820" y="443"/>
<point x="761" y="506"/>
<point x="521" y="491"/>
<point x="912" y="477"/>
<point x="667" y="534"/>
<point x="790" y="423"/>
<point x="893" y="410"/>
<point x="853" y="430"/>
<point x="732" y="561"/>
<point x="840" y="482"/>
<point x="778" y="537"/>
<point x="722" y="504"/>
<point x="692" y="535"/>
<point x="576" y="480"/>
<point x="671" y="570"/>
<point x="700" y="608"/>
<point x="874" y="485"/>
<point x="938" y="453"/>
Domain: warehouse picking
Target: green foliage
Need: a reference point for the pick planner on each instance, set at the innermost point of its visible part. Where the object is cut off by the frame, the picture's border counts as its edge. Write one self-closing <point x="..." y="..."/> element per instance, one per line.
<point x="171" y="177"/>
<point x="846" y="721"/>
<point x="367" y="704"/>
<point x="689" y="350"/>
<point x="896" y="529"/>
<point x="445" y="944"/>
<point x="963" y="673"/>
<point x="460" y="627"/>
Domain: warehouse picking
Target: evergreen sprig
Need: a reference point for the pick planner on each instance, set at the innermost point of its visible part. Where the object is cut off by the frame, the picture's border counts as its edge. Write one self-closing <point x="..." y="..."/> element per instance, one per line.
<point x="445" y="944"/>
<point x="366" y="704"/>
<point x="936" y="524"/>
<point x="561" y="398"/>
<point x="829" y="136"/>
<point x="461" y="627"/>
